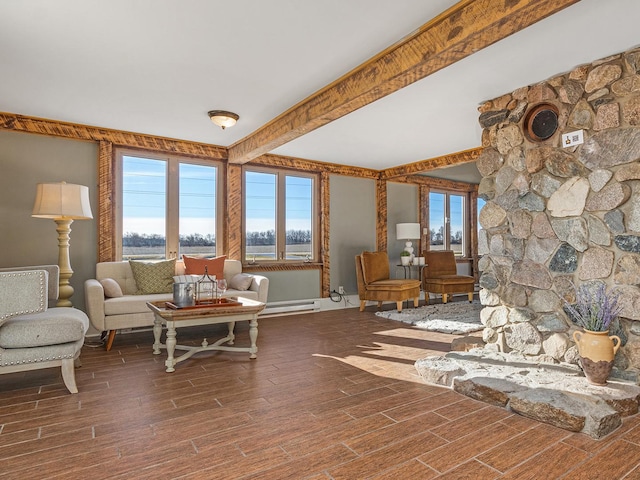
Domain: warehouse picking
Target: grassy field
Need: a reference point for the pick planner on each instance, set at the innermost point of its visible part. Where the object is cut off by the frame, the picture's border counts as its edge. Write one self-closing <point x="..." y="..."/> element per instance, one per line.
<point x="259" y="252"/>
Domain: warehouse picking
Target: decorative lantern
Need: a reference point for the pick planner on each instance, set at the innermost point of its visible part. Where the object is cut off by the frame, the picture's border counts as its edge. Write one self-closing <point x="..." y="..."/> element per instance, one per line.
<point x="206" y="289"/>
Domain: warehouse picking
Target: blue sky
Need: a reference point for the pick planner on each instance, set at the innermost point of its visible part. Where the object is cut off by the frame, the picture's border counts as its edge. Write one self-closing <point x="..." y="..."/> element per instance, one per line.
<point x="145" y="198"/>
<point x="145" y="193"/>
<point x="261" y="202"/>
<point x="436" y="211"/>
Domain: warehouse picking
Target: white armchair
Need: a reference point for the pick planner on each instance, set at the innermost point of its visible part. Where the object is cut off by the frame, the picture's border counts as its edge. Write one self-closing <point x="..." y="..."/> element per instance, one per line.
<point x="32" y="335"/>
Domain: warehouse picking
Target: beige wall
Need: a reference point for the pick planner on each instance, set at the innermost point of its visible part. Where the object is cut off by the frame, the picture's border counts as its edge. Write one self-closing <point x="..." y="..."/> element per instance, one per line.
<point x="26" y="160"/>
<point x="293" y="284"/>
<point x="402" y="207"/>
<point x="353" y="227"/>
<point x="352" y="230"/>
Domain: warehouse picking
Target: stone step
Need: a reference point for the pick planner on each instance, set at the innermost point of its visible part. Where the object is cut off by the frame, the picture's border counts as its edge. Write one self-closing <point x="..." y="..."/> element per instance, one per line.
<point x="576" y="413"/>
<point x="550" y="393"/>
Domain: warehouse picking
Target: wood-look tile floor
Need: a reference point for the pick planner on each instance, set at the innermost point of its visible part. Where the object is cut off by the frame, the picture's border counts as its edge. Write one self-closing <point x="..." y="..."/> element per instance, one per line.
<point x="332" y="395"/>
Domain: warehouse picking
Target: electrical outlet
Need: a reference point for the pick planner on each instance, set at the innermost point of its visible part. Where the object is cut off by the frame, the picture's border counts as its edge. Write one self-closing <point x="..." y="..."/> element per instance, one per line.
<point x="341" y="290"/>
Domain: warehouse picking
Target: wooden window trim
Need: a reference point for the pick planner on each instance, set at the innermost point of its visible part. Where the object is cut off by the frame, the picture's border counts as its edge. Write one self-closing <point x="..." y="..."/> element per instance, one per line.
<point x="172" y="162"/>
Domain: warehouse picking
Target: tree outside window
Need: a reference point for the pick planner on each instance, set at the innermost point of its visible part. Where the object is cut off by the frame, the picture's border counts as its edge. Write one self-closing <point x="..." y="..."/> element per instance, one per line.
<point x="447" y="222"/>
<point x="279" y="216"/>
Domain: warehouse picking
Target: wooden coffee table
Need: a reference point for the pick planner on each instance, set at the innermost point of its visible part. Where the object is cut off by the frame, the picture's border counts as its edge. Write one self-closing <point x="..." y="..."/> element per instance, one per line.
<point x="239" y="309"/>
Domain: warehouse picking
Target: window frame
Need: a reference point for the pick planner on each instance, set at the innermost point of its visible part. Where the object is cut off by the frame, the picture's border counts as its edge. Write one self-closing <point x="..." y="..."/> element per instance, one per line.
<point x="172" y="207"/>
<point x="466" y="224"/>
<point x="280" y="220"/>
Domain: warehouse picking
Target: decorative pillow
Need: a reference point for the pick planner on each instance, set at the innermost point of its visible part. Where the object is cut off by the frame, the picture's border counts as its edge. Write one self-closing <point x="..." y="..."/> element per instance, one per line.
<point x="375" y="266"/>
<point x="186" y="278"/>
<point x="153" y="277"/>
<point x="241" y="281"/>
<point x="195" y="265"/>
<point x="111" y="288"/>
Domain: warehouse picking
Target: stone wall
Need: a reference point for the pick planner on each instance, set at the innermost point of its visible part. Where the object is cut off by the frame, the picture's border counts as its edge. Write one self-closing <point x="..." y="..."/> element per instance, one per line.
<point x="557" y="217"/>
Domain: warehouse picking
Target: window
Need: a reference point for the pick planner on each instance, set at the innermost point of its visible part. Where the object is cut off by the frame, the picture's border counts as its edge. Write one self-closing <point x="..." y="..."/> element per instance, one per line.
<point x="448" y="222"/>
<point x="279" y="216"/>
<point x="168" y="207"/>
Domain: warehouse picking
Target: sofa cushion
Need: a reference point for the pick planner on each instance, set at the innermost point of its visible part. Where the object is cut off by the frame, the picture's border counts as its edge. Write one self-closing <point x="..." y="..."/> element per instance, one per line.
<point x="111" y="288"/>
<point x="394" y="284"/>
<point x="241" y="281"/>
<point x="121" y="272"/>
<point x="153" y="277"/>
<point x="186" y="278"/>
<point x="451" y="280"/>
<point x="196" y="265"/>
<point x="131" y="304"/>
<point x="253" y="295"/>
<point x="52" y="327"/>
<point x="21" y="356"/>
<point x="375" y="266"/>
<point x="136" y="304"/>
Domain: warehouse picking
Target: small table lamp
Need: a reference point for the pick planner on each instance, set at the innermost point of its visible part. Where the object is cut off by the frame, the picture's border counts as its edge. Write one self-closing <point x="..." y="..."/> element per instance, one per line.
<point x="408" y="232"/>
<point x="63" y="202"/>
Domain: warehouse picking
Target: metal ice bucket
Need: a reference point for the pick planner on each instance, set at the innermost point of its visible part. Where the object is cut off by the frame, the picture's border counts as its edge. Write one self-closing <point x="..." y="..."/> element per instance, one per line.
<point x="183" y="294"/>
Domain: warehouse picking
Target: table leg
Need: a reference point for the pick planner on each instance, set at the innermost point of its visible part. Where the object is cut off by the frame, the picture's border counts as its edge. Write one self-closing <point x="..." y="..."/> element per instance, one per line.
<point x="253" y="335"/>
<point x="231" y="336"/>
<point x="171" y="347"/>
<point x="157" y="332"/>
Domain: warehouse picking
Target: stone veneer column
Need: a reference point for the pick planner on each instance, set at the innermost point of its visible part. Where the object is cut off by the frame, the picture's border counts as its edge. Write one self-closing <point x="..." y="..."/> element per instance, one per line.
<point x="558" y="217"/>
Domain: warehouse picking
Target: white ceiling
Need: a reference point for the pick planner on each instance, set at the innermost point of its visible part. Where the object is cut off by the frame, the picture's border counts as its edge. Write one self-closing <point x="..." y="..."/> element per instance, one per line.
<point x="158" y="66"/>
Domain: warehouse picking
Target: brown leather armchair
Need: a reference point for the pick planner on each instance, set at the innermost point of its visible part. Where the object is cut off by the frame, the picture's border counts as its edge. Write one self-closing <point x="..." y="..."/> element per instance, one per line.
<point x="372" y="272"/>
<point x="440" y="276"/>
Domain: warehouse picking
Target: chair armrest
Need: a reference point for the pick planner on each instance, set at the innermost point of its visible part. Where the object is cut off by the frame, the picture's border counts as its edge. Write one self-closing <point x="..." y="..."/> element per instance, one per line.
<point x="260" y="284"/>
<point x="94" y="303"/>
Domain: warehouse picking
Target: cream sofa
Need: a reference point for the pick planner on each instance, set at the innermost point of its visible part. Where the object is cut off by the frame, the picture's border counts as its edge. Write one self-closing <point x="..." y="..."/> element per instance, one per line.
<point x="131" y="311"/>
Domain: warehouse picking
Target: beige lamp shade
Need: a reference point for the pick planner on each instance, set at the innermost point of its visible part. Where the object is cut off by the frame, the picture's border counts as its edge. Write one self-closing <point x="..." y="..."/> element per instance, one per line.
<point x="407" y="231"/>
<point x="62" y="200"/>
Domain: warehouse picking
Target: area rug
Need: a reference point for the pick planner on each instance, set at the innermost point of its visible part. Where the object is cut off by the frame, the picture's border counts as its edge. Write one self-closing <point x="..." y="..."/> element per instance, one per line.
<point x="455" y="317"/>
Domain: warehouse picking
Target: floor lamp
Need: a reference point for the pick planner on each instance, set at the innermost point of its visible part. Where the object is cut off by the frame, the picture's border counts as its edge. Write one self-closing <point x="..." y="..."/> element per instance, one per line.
<point x="63" y="202"/>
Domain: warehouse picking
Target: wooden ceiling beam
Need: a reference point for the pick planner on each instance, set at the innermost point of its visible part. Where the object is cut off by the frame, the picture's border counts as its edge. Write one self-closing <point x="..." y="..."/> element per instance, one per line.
<point x="465" y="28"/>
<point x="435" y="183"/>
<point x="466" y="156"/>
<point x="280" y="161"/>
<point x="55" y="128"/>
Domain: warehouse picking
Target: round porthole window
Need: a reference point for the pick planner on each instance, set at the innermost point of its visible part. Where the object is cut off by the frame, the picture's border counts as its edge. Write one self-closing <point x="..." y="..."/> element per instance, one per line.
<point x="541" y="122"/>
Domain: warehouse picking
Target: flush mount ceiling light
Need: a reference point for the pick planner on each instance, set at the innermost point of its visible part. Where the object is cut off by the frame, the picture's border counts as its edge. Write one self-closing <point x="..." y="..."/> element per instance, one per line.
<point x="223" y="118"/>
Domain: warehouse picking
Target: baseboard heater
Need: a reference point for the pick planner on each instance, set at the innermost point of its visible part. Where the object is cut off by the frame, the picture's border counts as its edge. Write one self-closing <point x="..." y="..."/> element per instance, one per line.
<point x="289" y="307"/>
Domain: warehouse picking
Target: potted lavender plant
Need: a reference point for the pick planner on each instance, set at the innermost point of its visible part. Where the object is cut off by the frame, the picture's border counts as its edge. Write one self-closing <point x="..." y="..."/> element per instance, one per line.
<point x="594" y="311"/>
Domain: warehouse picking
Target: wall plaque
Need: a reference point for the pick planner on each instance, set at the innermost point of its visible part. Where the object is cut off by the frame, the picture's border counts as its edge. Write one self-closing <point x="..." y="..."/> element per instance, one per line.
<point x="541" y="122"/>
